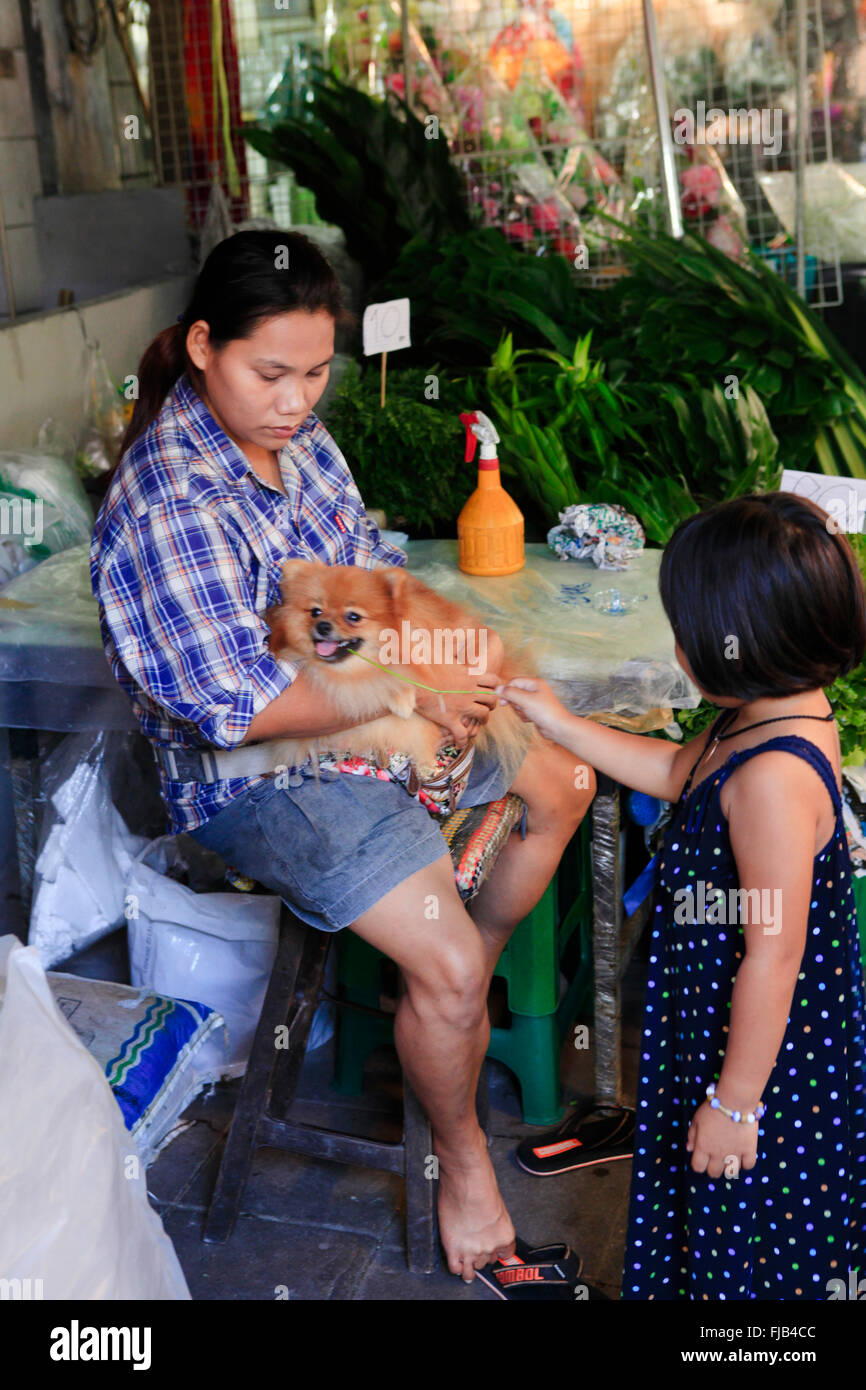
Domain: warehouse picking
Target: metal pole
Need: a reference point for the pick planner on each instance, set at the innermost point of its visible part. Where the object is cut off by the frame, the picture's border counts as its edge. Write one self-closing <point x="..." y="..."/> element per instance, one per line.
<point x="7" y="267"/>
<point x="404" y="41"/>
<point x="800" y="166"/>
<point x="667" y="168"/>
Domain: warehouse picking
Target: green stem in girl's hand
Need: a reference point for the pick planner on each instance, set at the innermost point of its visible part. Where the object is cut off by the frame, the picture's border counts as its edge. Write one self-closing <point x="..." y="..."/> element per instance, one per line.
<point x="408" y="679"/>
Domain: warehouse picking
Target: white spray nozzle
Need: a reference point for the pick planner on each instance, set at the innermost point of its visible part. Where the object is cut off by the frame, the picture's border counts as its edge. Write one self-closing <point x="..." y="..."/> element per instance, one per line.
<point x="479" y="427"/>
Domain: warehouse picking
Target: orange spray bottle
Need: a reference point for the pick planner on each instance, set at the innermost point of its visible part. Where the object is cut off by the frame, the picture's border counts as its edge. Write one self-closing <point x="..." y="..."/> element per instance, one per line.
<point x="490" y="526"/>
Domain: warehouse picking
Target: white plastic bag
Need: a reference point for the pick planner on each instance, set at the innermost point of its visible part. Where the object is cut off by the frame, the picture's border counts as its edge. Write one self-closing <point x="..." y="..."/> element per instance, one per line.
<point x="215" y="948"/>
<point x="44" y="509"/>
<point x="75" y="1221"/>
<point x="85" y="850"/>
<point x="106" y="416"/>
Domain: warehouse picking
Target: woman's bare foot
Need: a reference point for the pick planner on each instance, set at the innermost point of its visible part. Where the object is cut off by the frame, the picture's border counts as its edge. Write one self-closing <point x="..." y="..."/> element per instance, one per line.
<point x="474" y="1226"/>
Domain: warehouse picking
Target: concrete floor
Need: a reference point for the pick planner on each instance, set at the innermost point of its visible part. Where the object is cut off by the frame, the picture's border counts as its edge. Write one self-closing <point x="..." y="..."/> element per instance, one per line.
<point x="312" y="1229"/>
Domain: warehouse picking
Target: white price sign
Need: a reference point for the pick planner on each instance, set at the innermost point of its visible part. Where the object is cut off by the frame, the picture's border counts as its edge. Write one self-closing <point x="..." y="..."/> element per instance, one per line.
<point x="386" y="326"/>
<point x="843" y="498"/>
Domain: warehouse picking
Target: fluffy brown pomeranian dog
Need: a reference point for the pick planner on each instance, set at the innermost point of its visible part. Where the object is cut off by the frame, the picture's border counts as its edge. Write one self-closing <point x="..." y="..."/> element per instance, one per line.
<point x="334" y="616"/>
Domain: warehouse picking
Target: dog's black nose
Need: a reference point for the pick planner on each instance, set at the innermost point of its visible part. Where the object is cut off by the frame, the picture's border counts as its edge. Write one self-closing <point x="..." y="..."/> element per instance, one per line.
<point x="323" y="628"/>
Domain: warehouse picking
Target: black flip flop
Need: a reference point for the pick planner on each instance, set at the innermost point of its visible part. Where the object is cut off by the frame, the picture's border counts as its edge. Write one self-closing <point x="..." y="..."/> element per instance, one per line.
<point x="583" y="1139"/>
<point x="530" y="1276"/>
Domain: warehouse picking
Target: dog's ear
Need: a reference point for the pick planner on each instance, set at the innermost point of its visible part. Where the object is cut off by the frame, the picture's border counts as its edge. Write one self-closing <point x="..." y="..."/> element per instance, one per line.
<point x="393" y="581"/>
<point x="292" y="569"/>
<point x="276" y="619"/>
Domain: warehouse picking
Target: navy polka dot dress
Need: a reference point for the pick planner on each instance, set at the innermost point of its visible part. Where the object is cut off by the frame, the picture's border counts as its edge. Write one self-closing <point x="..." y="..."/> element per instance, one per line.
<point x="796" y="1220"/>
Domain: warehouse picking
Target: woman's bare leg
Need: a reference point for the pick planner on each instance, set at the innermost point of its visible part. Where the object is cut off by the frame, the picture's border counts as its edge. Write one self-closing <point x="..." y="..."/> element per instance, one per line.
<point x="441" y="1032"/>
<point x="447" y="957"/>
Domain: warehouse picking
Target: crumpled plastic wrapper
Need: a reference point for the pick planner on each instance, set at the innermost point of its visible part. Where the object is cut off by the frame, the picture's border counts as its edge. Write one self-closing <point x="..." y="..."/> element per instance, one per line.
<point x="834" y="209"/>
<point x="599" y="531"/>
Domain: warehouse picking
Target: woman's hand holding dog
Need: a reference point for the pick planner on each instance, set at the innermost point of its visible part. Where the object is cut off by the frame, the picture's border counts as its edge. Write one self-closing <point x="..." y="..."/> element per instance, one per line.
<point x="461" y="715"/>
<point x="458" y="715"/>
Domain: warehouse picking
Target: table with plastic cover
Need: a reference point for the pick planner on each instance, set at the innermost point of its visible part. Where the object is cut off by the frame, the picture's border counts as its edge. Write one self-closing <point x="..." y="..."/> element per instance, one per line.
<point x="619" y="666"/>
<point x="54" y="677"/>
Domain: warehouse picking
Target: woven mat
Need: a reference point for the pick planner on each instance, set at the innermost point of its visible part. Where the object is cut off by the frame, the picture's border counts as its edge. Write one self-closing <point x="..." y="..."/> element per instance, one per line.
<point x="475" y="836"/>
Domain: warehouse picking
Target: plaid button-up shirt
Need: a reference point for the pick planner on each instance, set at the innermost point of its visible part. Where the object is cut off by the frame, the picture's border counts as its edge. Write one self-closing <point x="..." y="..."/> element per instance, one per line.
<point x="187" y="551"/>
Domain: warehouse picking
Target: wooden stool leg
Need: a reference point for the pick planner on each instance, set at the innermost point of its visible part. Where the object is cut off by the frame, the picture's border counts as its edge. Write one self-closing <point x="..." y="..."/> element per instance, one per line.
<point x="482" y="1100"/>
<point x="422" y="1245"/>
<point x="299" y="1020"/>
<point x="241" y="1142"/>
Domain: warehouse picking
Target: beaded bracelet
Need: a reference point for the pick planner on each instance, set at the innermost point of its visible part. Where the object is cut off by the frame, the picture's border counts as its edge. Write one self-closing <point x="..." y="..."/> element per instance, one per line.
<point x="735" y="1115"/>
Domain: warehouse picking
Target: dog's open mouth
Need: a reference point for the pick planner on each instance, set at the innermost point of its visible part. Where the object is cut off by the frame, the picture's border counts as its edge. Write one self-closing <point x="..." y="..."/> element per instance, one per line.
<point x="331" y="651"/>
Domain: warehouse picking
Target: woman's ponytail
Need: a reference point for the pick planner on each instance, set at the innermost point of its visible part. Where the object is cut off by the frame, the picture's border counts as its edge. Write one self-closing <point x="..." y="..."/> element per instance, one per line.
<point x="162" y="363"/>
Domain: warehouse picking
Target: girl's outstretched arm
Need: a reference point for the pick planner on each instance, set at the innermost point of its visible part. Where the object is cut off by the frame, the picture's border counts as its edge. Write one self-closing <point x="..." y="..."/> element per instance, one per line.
<point x="653" y="765"/>
<point x="772" y="819"/>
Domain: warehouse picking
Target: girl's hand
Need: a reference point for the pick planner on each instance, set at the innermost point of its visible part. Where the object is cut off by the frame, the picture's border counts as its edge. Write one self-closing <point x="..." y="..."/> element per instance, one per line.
<point x="536" y="703"/>
<point x="719" y="1146"/>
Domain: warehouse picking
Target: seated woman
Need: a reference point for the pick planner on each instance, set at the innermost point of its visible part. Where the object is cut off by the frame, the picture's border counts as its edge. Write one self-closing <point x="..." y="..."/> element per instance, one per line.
<point x="225" y="473"/>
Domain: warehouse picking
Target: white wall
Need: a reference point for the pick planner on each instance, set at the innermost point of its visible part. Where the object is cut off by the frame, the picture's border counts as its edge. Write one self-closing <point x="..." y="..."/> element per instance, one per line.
<point x="20" y="179"/>
<point x="43" y="358"/>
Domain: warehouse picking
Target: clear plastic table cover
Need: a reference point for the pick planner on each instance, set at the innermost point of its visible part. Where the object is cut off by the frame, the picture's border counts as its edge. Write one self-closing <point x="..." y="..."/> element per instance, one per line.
<point x="52" y="661"/>
<point x="53" y="670"/>
<point x="596" y="661"/>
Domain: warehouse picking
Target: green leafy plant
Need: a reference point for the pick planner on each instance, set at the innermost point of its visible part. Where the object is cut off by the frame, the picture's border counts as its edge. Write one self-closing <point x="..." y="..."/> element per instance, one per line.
<point x="408" y="457"/>
<point x="847" y="695"/>
<point x="570" y="434"/>
<point x="372" y="169"/>
<point x="693" y="315"/>
<point x="470" y="288"/>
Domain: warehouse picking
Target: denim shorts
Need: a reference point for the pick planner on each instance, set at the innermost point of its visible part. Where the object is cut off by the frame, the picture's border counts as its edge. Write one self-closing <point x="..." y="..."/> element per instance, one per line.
<point x="331" y="849"/>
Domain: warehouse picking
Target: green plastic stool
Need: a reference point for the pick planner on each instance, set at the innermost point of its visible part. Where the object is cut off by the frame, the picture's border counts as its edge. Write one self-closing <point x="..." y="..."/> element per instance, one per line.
<point x="860" y="907"/>
<point x="530" y="966"/>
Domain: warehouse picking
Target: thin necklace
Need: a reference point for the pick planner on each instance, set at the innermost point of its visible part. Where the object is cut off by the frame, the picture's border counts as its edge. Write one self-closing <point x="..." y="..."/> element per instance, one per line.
<point x="776" y="719"/>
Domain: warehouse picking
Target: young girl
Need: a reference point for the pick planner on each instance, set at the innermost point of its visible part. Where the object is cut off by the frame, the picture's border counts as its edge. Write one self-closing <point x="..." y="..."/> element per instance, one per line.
<point x="749" y="1178"/>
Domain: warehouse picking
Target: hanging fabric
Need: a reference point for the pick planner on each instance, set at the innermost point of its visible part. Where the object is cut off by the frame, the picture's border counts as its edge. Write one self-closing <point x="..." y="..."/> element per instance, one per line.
<point x="212" y="83"/>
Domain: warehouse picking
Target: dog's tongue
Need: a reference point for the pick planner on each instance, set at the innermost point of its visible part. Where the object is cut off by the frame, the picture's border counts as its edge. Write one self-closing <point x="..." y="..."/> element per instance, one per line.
<point x="326" y="648"/>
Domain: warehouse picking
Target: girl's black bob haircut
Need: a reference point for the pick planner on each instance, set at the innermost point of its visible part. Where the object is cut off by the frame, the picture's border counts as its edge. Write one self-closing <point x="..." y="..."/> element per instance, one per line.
<point x="765" y="597"/>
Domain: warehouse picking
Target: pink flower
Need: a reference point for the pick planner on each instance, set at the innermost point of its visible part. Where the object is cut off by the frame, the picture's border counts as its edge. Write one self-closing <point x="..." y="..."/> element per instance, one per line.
<point x="702" y="186"/>
<point x="519" y="231"/>
<point x="725" y="238"/>
<point x="428" y="92"/>
<point x="546" y="216"/>
<point x="396" y="83"/>
<point x="470" y="103"/>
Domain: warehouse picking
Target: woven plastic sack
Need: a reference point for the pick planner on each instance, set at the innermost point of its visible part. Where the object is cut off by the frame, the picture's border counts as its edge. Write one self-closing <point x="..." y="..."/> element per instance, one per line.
<point x="75" y="1220"/>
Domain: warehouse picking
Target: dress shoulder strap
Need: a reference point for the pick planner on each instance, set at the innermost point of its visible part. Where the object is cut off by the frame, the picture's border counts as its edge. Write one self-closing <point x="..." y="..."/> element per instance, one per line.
<point x="802" y="748"/>
<point x="716" y="727"/>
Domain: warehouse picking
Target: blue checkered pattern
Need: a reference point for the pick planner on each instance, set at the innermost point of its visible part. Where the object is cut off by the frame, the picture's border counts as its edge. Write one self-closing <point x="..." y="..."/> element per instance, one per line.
<point x="187" y="552"/>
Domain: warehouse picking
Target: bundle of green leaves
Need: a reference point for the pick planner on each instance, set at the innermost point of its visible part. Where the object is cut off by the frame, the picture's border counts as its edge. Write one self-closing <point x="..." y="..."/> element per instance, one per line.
<point x="407" y="458"/>
<point x="572" y="433"/>
<point x="373" y="171"/>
